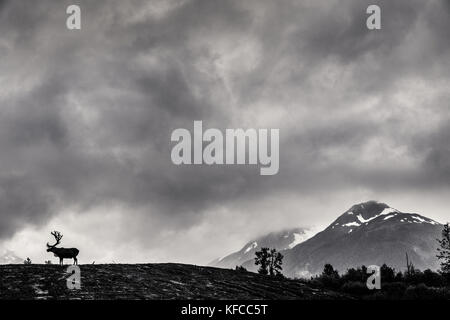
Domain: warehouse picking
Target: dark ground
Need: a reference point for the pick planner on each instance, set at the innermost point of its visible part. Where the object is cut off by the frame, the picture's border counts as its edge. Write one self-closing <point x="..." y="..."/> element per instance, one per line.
<point x="150" y="281"/>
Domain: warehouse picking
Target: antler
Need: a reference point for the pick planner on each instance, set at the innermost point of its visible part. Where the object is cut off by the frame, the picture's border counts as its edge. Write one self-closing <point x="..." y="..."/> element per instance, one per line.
<point x="58" y="236"/>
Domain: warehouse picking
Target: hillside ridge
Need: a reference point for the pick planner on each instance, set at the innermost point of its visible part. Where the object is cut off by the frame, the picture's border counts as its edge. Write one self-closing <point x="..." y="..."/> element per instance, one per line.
<point x="150" y="281"/>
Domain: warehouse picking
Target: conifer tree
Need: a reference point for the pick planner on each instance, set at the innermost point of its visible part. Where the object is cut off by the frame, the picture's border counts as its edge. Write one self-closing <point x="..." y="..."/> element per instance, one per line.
<point x="444" y="250"/>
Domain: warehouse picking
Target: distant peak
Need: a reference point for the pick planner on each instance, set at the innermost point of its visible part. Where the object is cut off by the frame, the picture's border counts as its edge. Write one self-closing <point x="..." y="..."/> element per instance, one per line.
<point x="362" y="213"/>
<point x="368" y="209"/>
<point x="373" y="211"/>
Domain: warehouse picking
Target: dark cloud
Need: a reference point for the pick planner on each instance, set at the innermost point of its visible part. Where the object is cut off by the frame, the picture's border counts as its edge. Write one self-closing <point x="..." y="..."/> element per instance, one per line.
<point x="86" y="116"/>
<point x="22" y="202"/>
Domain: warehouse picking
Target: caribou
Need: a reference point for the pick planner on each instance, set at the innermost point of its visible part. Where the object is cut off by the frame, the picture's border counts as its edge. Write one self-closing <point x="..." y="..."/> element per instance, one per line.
<point x="62" y="253"/>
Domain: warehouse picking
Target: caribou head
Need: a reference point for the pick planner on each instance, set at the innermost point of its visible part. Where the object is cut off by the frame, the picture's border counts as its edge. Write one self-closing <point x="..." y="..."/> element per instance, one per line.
<point x="62" y="253"/>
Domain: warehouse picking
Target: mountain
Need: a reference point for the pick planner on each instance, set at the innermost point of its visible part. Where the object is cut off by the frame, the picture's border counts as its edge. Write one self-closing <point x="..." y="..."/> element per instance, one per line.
<point x="9" y="257"/>
<point x="366" y="234"/>
<point x="369" y="233"/>
<point x="282" y="240"/>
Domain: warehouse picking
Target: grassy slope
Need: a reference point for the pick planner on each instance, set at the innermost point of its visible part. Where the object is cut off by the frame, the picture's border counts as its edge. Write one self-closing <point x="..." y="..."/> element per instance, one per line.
<point x="149" y="281"/>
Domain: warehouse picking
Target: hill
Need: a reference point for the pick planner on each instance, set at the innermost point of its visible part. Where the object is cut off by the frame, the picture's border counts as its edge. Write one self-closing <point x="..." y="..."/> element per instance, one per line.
<point x="150" y="281"/>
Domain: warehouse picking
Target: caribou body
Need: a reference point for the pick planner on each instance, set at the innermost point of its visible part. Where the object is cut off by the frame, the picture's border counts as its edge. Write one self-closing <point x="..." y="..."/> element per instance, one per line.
<point x="62" y="253"/>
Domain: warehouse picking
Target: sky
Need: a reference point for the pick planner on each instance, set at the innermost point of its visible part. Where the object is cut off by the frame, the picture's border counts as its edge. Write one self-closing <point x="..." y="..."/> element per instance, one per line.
<point x="86" y="118"/>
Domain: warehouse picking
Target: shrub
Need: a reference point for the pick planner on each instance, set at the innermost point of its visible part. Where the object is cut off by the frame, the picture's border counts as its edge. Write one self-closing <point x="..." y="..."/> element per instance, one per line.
<point x="432" y="279"/>
<point x="421" y="292"/>
<point x="355" y="287"/>
<point x="240" y="269"/>
<point x="393" y="290"/>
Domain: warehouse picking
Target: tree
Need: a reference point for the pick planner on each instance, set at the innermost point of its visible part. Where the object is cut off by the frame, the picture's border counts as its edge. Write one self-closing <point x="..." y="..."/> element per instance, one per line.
<point x="387" y="273"/>
<point x="328" y="271"/>
<point x="262" y="260"/>
<point x="444" y="250"/>
<point x="410" y="269"/>
<point x="356" y="275"/>
<point x="431" y="278"/>
<point x="270" y="261"/>
<point x="276" y="260"/>
<point x="330" y="277"/>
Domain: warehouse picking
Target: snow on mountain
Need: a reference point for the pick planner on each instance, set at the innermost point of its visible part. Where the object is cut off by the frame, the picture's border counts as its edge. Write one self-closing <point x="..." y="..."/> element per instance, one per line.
<point x="281" y="240"/>
<point x="358" y="215"/>
<point x="252" y="246"/>
<point x="301" y="237"/>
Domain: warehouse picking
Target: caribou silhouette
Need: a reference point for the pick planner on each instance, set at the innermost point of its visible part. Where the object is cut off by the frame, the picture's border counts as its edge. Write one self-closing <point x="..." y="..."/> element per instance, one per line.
<point x="62" y="253"/>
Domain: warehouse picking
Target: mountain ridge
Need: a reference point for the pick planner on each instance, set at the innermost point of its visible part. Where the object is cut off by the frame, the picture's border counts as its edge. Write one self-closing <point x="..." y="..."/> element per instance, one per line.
<point x="368" y="233"/>
<point x="280" y="240"/>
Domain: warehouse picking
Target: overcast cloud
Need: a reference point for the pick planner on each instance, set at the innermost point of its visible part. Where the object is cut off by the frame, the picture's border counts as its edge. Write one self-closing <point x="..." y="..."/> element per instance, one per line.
<point x="86" y="118"/>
